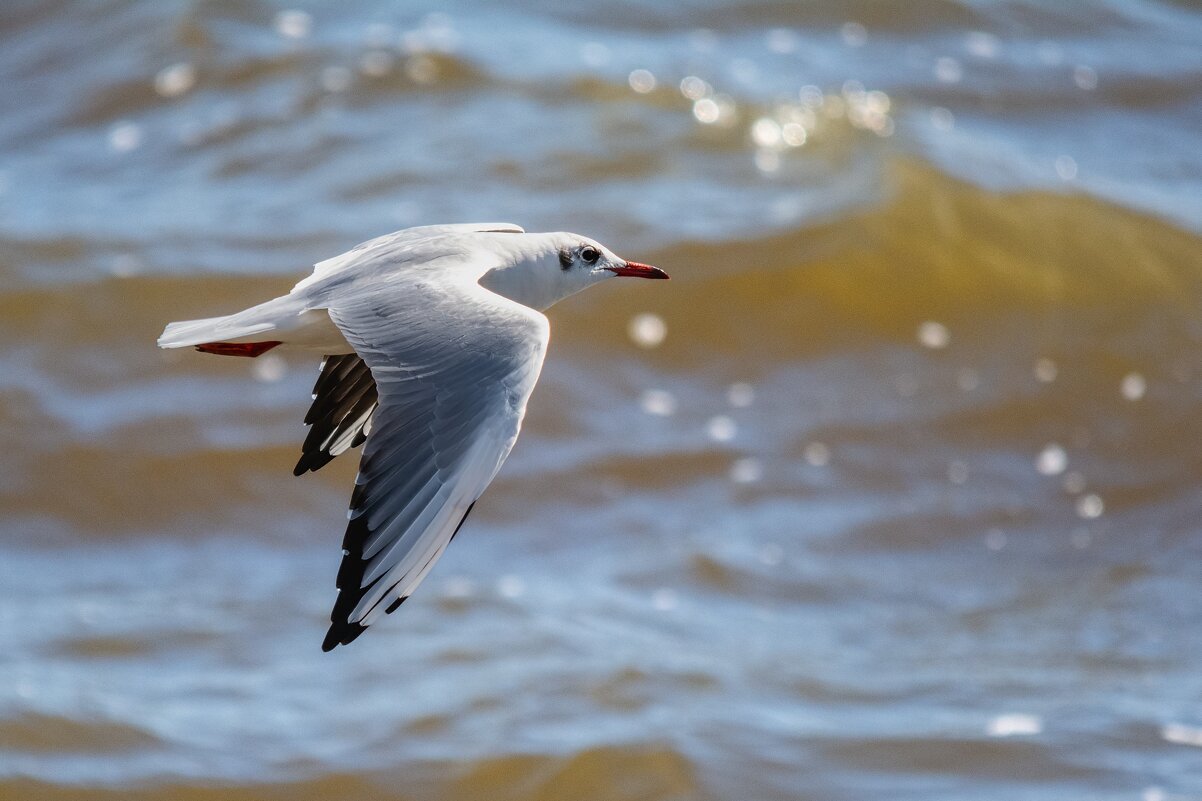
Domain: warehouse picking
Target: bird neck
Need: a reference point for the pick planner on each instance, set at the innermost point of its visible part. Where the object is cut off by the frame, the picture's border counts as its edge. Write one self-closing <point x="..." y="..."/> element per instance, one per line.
<point x="529" y="275"/>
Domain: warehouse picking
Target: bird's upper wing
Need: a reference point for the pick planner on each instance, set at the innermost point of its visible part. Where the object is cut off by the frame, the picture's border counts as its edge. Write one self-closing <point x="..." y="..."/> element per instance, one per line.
<point x="344" y="398"/>
<point x="454" y="365"/>
<point x="406" y="240"/>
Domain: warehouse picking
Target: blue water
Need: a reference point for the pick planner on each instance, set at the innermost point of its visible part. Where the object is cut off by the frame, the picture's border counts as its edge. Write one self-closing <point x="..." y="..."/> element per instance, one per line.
<point x="904" y="505"/>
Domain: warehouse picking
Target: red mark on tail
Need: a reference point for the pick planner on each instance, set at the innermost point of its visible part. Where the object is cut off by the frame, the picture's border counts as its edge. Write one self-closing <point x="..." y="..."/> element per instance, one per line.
<point x="248" y="349"/>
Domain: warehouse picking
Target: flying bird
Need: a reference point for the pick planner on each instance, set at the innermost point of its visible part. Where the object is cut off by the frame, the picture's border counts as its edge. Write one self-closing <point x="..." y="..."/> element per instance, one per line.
<point x="433" y="339"/>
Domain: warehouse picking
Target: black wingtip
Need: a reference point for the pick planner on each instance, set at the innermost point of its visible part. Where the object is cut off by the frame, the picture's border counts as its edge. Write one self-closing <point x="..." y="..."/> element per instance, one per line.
<point x="341" y="634"/>
<point x="344" y="399"/>
<point x="311" y="462"/>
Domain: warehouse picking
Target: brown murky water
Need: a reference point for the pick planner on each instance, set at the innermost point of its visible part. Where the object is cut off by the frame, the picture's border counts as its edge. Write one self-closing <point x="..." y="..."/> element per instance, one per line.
<point x="890" y="493"/>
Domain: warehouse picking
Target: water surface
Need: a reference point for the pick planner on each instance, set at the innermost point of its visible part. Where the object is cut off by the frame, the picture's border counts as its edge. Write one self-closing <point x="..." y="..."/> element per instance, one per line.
<point x="903" y="505"/>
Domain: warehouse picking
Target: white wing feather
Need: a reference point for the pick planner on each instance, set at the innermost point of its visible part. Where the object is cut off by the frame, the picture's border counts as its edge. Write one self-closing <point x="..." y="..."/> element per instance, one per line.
<point x="454" y="365"/>
<point x="408" y="239"/>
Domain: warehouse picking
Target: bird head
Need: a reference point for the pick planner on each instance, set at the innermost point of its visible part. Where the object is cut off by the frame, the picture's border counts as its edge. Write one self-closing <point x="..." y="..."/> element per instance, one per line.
<point x="543" y="269"/>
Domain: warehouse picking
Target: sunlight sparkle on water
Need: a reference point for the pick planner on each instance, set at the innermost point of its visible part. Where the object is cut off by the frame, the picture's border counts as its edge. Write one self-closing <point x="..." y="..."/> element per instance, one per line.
<point x="125" y="265"/>
<point x="948" y="70"/>
<point x="868" y="110"/>
<point x="125" y="136"/>
<point x="1014" y="724"/>
<point x="293" y="24"/>
<point x="1182" y="734"/>
<point x="811" y="96"/>
<point x="740" y="395"/>
<point x="1090" y="506"/>
<point x="269" y="368"/>
<point x="594" y="54"/>
<point x="1052" y="460"/>
<point x="706" y="111"/>
<point x="942" y="119"/>
<point x="717" y="110"/>
<point x="175" y="80"/>
<point x="694" y="88"/>
<point x="853" y="34"/>
<point x="721" y="428"/>
<point x="767" y="160"/>
<point x="658" y="402"/>
<point x="747" y="470"/>
<point x="1085" y="77"/>
<point x="1050" y="53"/>
<point x="982" y="44"/>
<point x="781" y="41"/>
<point x="642" y="81"/>
<point x="793" y="134"/>
<point x="765" y="132"/>
<point x="511" y="586"/>
<point x="1066" y="167"/>
<point x="664" y="599"/>
<point x="647" y="330"/>
<point x="817" y="454"/>
<point x="1133" y="387"/>
<point x="787" y="209"/>
<point x="1045" y="371"/>
<point x="934" y="335"/>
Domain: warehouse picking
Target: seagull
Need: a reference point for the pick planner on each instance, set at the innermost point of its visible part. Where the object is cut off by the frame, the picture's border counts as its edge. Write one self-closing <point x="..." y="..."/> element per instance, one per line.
<point x="433" y="338"/>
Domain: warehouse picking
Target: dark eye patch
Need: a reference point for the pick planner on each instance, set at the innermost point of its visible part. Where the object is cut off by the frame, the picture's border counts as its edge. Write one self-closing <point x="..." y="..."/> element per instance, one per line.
<point x="565" y="258"/>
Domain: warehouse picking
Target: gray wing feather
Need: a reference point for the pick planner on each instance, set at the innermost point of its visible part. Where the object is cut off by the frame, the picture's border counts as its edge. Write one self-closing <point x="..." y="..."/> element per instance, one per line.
<point x="409" y="244"/>
<point x="453" y="367"/>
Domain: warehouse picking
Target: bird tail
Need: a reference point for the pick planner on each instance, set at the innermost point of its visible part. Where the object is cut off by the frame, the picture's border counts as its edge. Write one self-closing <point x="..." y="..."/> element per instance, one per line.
<point x="246" y="333"/>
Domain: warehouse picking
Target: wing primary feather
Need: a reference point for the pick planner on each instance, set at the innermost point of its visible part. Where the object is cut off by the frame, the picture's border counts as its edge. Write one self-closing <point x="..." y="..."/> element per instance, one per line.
<point x="335" y="397"/>
<point x="462" y="520"/>
<point x="333" y="369"/>
<point x="344" y="398"/>
<point x="341" y="634"/>
<point x="452" y="366"/>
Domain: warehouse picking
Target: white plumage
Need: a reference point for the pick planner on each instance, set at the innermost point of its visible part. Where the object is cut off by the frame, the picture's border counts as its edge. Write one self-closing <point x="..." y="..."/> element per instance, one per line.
<point x="434" y="339"/>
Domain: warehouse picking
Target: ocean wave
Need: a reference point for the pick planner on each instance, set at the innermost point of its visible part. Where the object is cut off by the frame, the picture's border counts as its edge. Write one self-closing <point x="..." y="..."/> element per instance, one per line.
<point x="32" y="732"/>
<point x="612" y="773"/>
<point x="934" y="248"/>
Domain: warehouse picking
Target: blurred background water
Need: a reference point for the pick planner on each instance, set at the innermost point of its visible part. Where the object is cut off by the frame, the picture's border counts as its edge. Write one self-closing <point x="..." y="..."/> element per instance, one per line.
<point x="890" y="493"/>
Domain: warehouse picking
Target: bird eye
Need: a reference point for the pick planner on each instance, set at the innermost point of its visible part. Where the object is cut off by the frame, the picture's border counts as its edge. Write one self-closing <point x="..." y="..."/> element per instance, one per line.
<point x="590" y="255"/>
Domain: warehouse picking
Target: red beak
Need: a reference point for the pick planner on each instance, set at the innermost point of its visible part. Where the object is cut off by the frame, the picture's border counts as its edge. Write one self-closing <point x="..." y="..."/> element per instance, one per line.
<point x="636" y="270"/>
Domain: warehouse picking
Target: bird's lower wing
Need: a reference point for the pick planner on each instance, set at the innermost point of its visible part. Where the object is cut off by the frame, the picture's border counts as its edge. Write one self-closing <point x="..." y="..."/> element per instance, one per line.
<point x="453" y="366"/>
<point x="344" y="399"/>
